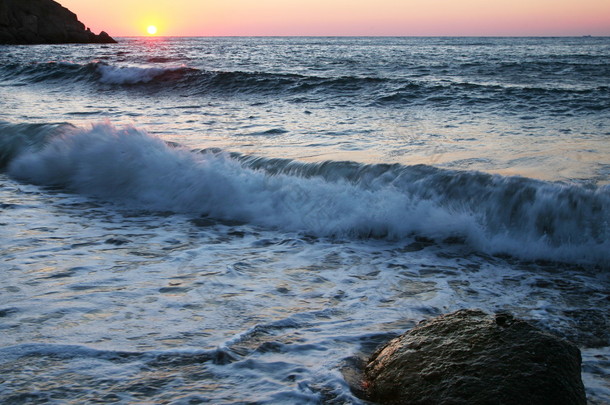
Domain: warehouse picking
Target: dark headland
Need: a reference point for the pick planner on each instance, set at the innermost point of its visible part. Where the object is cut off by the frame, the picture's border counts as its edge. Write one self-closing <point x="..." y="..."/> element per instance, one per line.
<point x="43" y="22"/>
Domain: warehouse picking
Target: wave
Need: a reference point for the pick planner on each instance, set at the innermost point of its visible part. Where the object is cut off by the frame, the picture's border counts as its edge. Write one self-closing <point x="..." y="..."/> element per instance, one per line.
<point x="190" y="81"/>
<point x="518" y="216"/>
<point x="96" y="72"/>
<point x="176" y="357"/>
<point x="584" y="67"/>
<point x="104" y="73"/>
<point x="17" y="138"/>
<point x="133" y="75"/>
<point x="511" y="97"/>
<point x="46" y="72"/>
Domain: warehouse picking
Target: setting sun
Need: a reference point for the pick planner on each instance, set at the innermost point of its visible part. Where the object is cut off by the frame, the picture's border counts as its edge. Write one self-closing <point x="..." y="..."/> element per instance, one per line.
<point x="152" y="30"/>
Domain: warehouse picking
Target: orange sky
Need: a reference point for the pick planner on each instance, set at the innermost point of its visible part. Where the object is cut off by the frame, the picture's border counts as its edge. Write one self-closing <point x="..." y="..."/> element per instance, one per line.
<point x="345" y="17"/>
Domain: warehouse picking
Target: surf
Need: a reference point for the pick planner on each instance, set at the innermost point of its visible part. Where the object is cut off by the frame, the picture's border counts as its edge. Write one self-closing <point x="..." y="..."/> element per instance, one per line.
<point x="522" y="217"/>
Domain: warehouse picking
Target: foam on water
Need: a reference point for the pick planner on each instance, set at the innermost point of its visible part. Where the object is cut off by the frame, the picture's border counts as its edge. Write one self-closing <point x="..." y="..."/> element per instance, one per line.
<point x="134" y="74"/>
<point x="494" y="214"/>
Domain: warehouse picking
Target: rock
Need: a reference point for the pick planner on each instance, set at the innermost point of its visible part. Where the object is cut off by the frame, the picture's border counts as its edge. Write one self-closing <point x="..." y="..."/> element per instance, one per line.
<point x="470" y="357"/>
<point x="104" y="38"/>
<point x="43" y="22"/>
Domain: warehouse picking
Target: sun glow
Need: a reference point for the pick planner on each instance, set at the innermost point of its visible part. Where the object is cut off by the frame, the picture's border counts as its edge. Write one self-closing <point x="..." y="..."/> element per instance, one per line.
<point x="152" y="30"/>
<point x="344" y="17"/>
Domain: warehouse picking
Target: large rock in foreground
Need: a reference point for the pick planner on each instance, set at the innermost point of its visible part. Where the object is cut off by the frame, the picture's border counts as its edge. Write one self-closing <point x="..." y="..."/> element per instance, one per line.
<point x="43" y="22"/>
<point x="470" y="357"/>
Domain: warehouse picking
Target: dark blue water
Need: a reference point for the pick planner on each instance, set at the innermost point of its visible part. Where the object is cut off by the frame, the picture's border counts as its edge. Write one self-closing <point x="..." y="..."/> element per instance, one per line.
<point x="230" y="220"/>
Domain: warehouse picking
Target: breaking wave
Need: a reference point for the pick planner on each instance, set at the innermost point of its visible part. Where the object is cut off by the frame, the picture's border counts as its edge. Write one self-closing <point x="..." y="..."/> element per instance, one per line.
<point x="518" y="216"/>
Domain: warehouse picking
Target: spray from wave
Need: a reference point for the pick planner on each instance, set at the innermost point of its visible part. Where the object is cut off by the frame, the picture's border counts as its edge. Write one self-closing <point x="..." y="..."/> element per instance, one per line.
<point x="494" y="214"/>
<point x="133" y="74"/>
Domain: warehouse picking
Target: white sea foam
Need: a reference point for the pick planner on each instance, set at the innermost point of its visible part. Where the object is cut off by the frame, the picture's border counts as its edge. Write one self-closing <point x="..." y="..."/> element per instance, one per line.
<point x="533" y="220"/>
<point x="129" y="74"/>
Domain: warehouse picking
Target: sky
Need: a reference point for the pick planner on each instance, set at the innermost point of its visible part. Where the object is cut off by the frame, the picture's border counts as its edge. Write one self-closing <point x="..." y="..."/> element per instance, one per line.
<point x="345" y="17"/>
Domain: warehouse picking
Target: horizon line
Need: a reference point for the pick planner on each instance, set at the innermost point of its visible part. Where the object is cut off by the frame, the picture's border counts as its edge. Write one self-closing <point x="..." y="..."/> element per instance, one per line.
<point x="364" y="36"/>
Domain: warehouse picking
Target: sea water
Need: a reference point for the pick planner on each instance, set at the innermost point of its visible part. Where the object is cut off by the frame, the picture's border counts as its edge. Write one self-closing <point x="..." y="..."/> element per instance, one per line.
<point x="236" y="220"/>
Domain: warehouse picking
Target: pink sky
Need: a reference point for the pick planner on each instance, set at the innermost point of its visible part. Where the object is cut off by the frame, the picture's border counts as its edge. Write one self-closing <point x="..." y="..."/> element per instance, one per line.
<point x="345" y="17"/>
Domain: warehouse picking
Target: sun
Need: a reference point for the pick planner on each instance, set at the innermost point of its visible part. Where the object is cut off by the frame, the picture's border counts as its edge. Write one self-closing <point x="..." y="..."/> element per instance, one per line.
<point x="152" y="30"/>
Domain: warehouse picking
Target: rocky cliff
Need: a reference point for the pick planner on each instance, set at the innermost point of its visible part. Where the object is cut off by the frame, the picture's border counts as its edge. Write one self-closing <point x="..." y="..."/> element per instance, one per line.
<point x="43" y="22"/>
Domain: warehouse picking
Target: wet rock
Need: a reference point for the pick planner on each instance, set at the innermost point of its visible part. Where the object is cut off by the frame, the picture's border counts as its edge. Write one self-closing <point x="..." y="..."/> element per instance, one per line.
<point x="470" y="357"/>
<point x="43" y="22"/>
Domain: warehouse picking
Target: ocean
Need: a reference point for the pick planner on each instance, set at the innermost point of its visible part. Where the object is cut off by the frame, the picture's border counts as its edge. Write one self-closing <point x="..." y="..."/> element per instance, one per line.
<point x="243" y="220"/>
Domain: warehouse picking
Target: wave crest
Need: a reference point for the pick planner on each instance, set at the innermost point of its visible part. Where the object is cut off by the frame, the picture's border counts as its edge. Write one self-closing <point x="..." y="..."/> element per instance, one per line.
<point x="494" y="214"/>
<point x="133" y="74"/>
